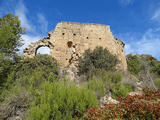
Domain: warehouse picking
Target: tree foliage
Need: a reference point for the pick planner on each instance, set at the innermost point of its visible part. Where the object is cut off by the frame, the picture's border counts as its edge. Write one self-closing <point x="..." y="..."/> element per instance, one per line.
<point x="10" y="40"/>
<point x="98" y="58"/>
<point x="10" y="34"/>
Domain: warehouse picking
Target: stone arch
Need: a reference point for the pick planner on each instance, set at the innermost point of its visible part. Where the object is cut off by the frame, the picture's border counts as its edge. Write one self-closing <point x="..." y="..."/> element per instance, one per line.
<point x="43" y="50"/>
<point x="31" y="50"/>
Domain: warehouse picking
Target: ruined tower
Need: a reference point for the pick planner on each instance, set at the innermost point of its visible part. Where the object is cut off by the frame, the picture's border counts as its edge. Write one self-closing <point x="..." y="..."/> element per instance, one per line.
<point x="69" y="40"/>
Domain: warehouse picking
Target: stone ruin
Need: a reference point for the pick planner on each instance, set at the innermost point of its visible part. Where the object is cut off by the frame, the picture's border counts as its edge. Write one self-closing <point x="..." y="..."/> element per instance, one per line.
<point x="68" y="41"/>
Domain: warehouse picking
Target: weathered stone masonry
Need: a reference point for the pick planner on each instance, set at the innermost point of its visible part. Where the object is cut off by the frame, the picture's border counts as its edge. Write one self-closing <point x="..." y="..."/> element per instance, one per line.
<point x="69" y="40"/>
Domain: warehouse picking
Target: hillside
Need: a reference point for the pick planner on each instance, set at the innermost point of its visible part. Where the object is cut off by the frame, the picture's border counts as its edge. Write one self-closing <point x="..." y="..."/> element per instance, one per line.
<point x="39" y="88"/>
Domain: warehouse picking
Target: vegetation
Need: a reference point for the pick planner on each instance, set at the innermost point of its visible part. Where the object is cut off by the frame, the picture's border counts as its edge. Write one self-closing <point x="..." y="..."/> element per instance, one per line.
<point x="34" y="89"/>
<point x="157" y="82"/>
<point x="60" y="100"/>
<point x="10" y="33"/>
<point x="139" y="107"/>
<point x="146" y="68"/>
<point x="103" y="82"/>
<point x="155" y="67"/>
<point x="98" y="58"/>
<point x="27" y="80"/>
<point x="30" y="73"/>
<point x="133" y="64"/>
<point x="5" y="69"/>
<point x="34" y="71"/>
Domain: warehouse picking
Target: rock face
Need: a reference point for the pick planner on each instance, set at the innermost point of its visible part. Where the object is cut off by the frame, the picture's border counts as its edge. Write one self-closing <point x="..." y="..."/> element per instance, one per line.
<point x="69" y="41"/>
<point x="107" y="100"/>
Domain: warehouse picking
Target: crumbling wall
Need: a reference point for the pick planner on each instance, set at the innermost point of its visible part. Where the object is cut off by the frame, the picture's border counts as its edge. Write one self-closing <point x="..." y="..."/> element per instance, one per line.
<point x="69" y="41"/>
<point x="31" y="50"/>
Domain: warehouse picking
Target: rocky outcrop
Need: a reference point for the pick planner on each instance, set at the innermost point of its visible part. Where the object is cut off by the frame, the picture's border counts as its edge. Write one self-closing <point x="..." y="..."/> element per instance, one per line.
<point x="107" y="100"/>
<point x="136" y="93"/>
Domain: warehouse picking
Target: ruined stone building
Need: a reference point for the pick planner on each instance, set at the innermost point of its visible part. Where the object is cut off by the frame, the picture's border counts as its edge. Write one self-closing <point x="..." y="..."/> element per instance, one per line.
<point x="69" y="40"/>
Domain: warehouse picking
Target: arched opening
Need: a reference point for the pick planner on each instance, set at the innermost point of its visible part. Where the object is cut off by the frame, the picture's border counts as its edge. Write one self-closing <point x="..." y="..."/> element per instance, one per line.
<point x="43" y="50"/>
<point x="69" y="43"/>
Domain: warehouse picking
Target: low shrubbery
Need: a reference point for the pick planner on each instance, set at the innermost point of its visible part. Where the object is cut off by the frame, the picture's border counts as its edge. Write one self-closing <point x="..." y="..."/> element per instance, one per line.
<point x="157" y="82"/>
<point x="103" y="82"/>
<point x="29" y="73"/>
<point x="138" y="107"/>
<point x="133" y="64"/>
<point x="60" y="100"/>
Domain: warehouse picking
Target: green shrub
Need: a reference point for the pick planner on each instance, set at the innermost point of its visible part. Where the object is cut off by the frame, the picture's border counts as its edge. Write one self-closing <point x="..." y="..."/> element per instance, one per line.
<point x="32" y="72"/>
<point x="119" y="90"/>
<point x="156" y="68"/>
<point x="97" y="85"/>
<point x="44" y="62"/>
<point x="29" y="73"/>
<point x="157" y="82"/>
<point x="104" y="81"/>
<point x="133" y="64"/>
<point x="98" y="58"/>
<point x="59" y="100"/>
<point x="5" y="68"/>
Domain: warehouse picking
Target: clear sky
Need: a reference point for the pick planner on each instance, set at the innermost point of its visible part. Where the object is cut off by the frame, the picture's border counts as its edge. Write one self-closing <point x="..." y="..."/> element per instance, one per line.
<point x="135" y="22"/>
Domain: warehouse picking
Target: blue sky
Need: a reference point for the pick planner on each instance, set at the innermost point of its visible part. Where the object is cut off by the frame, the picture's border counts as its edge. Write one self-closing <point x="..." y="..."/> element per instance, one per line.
<point x="135" y="22"/>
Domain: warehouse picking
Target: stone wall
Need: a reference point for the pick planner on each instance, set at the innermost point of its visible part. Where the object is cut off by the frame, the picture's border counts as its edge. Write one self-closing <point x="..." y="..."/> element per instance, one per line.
<point x="69" y="40"/>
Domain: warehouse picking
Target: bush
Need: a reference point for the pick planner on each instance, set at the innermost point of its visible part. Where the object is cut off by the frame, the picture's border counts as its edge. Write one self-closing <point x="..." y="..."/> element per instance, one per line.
<point x="32" y="72"/>
<point x="133" y="63"/>
<point x="5" y="69"/>
<point x="119" y="90"/>
<point x="18" y="102"/>
<point x="29" y="73"/>
<point x="138" y="107"/>
<point x="156" y="68"/>
<point x="98" y="58"/>
<point x="61" y="101"/>
<point x="157" y="82"/>
<point x="44" y="62"/>
<point x="103" y="82"/>
<point x="97" y="85"/>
